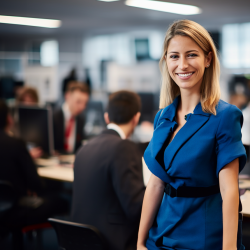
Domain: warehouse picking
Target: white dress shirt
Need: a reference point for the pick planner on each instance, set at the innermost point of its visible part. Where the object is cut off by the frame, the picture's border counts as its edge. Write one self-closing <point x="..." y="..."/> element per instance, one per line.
<point x="115" y="127"/>
<point x="72" y="137"/>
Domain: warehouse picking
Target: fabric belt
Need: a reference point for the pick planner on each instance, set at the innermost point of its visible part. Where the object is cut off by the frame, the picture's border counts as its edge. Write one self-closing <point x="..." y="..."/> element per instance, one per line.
<point x="195" y="192"/>
<point x="191" y="192"/>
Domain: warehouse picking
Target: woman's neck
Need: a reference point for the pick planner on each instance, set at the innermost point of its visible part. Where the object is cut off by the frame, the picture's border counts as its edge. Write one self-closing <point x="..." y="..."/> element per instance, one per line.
<point x="188" y="102"/>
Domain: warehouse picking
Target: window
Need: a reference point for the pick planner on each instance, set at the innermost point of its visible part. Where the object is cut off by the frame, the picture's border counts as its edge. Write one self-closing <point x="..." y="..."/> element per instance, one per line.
<point x="236" y="45"/>
<point x="49" y="53"/>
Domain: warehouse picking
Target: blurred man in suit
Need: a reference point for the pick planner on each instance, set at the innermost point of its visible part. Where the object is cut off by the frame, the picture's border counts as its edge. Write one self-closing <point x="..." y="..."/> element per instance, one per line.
<point x="108" y="184"/>
<point x="67" y="121"/>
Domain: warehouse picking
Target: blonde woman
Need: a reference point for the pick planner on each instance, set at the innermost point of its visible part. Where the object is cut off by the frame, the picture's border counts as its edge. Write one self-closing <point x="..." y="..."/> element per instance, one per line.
<point x="196" y="153"/>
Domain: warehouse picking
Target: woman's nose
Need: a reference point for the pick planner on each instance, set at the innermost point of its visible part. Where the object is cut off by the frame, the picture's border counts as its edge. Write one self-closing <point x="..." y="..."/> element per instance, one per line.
<point x="183" y="64"/>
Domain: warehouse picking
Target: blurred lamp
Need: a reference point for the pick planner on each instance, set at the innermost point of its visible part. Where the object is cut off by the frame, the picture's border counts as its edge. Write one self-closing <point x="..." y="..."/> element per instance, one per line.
<point x="176" y="8"/>
<point x="29" y="21"/>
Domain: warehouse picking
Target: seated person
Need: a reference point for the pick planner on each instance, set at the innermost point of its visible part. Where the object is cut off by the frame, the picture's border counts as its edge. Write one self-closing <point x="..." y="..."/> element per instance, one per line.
<point x="108" y="183"/>
<point x="67" y="121"/>
<point x="18" y="168"/>
<point x="27" y="96"/>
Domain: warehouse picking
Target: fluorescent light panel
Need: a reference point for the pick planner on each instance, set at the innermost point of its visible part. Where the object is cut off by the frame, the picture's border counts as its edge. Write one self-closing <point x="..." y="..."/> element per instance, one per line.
<point x="38" y="22"/>
<point x="182" y="9"/>
<point x="108" y="0"/>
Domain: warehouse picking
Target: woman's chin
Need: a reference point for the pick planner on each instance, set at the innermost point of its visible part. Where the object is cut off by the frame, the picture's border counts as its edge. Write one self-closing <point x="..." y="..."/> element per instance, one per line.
<point x="188" y="86"/>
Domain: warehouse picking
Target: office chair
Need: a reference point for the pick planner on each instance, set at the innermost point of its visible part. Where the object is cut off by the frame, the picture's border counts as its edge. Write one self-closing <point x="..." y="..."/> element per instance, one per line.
<point x="75" y="236"/>
<point x="7" y="198"/>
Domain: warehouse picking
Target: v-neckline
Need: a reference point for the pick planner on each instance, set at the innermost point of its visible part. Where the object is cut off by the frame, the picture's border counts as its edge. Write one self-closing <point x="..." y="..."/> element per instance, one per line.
<point x="178" y="130"/>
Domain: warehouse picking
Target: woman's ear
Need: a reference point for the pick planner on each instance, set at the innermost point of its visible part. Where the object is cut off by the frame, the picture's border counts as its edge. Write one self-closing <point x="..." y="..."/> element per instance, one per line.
<point x="208" y="59"/>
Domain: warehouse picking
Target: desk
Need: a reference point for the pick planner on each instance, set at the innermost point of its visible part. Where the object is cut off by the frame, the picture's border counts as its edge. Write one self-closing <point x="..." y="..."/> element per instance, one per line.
<point x="52" y="169"/>
<point x="245" y="198"/>
<point x="58" y="173"/>
<point x="57" y="168"/>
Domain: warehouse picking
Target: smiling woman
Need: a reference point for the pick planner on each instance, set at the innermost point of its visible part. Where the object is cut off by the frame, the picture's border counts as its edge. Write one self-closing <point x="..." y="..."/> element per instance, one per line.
<point x="192" y="198"/>
<point x="199" y="46"/>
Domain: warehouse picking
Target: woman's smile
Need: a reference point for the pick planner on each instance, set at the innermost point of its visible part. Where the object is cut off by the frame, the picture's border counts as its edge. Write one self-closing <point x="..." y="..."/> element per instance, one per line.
<point x="185" y="76"/>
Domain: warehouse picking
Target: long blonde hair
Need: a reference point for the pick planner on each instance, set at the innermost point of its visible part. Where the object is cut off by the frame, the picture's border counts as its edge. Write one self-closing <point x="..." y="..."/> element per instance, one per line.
<point x="210" y="88"/>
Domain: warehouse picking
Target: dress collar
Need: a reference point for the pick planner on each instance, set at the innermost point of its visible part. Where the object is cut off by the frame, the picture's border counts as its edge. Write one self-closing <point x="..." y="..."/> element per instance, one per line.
<point x="170" y="111"/>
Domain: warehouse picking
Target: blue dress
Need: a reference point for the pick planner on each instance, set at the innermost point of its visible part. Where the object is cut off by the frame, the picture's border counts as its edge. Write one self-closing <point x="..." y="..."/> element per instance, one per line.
<point x="201" y="148"/>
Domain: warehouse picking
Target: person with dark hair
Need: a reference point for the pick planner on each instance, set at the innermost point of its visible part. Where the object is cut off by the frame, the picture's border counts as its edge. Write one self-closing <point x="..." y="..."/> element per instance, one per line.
<point x="68" y="122"/>
<point x="32" y="204"/>
<point x="123" y="106"/>
<point x="108" y="183"/>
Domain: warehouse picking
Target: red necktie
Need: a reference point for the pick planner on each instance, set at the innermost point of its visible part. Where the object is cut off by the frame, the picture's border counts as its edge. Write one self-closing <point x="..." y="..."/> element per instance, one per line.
<point x="68" y="130"/>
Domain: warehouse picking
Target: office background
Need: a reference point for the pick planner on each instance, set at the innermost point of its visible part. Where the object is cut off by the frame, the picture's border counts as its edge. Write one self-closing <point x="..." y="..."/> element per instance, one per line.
<point x="114" y="46"/>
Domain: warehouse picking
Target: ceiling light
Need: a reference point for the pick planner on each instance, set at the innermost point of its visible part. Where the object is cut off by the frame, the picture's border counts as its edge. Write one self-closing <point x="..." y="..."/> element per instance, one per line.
<point x="38" y="22"/>
<point x="108" y="0"/>
<point x="182" y="9"/>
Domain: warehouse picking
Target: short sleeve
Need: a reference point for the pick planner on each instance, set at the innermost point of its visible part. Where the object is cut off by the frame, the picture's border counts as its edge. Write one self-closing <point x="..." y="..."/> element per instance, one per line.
<point x="229" y="145"/>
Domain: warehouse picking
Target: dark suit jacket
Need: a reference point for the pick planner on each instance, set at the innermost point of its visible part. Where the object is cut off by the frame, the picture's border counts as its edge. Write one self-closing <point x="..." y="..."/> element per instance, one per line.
<point x="16" y="165"/>
<point x="58" y="124"/>
<point x="108" y="188"/>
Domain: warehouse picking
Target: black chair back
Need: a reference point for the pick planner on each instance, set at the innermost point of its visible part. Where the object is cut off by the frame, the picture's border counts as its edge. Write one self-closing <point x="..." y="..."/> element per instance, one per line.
<point x="75" y="236"/>
<point x="7" y="198"/>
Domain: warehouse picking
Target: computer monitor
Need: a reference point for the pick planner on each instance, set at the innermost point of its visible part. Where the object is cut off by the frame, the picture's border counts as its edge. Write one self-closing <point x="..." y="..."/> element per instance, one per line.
<point x="7" y="86"/>
<point x="148" y="106"/>
<point x="94" y="119"/>
<point x="36" y="127"/>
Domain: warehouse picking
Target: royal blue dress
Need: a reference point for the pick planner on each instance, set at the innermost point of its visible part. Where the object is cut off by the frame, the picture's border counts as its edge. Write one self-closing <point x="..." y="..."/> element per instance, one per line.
<point x="201" y="148"/>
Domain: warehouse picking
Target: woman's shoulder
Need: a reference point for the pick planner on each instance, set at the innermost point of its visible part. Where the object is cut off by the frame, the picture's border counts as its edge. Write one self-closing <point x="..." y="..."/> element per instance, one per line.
<point x="227" y="115"/>
<point x="226" y="109"/>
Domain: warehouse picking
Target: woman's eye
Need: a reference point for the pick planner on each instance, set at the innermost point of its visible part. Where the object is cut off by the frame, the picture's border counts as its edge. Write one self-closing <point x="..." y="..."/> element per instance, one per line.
<point x="192" y="55"/>
<point x="173" y="56"/>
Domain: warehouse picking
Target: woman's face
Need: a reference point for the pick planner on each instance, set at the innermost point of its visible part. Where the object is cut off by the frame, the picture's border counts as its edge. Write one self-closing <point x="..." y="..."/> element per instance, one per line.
<point x="186" y="62"/>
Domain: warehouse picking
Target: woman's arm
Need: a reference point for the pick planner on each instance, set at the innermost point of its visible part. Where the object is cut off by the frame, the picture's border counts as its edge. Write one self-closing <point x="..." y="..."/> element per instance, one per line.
<point x="151" y="203"/>
<point x="228" y="178"/>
